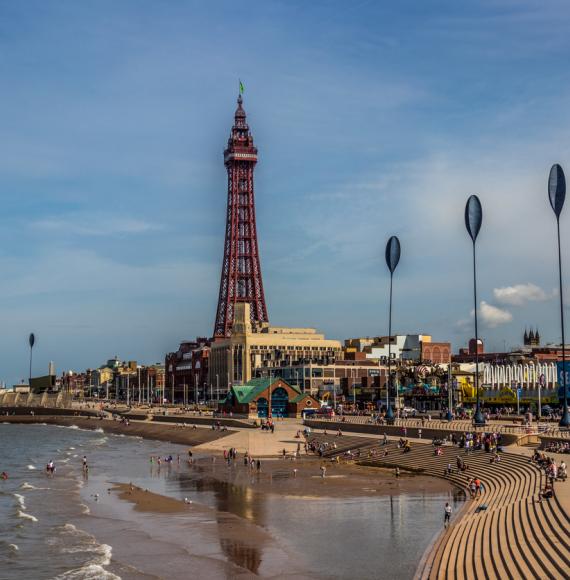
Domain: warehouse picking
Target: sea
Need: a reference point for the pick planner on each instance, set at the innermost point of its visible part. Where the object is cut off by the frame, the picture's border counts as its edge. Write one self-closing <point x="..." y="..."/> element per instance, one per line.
<point x="71" y="525"/>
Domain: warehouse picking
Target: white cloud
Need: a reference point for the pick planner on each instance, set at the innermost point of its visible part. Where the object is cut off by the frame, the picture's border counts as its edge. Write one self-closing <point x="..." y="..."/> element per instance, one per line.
<point x="518" y="294"/>
<point x="493" y="316"/>
<point x="94" y="224"/>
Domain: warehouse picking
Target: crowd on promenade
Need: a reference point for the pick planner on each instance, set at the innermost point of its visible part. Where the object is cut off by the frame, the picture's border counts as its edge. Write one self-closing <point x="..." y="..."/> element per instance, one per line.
<point x="553" y="472"/>
<point x="558" y="447"/>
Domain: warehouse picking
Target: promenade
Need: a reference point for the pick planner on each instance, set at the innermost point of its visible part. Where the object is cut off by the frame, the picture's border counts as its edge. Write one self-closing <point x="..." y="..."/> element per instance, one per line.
<point x="505" y="533"/>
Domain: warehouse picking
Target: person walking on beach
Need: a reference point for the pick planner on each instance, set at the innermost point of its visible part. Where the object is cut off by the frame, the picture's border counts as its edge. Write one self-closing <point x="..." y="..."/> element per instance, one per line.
<point x="447" y="515"/>
<point x="323" y="471"/>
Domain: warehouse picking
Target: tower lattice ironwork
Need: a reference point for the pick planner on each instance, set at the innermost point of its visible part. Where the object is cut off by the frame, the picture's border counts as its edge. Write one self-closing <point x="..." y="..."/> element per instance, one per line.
<point x="241" y="271"/>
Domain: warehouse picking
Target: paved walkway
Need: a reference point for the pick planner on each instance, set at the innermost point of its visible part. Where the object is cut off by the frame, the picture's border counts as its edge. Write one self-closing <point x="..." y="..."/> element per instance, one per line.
<point x="260" y="443"/>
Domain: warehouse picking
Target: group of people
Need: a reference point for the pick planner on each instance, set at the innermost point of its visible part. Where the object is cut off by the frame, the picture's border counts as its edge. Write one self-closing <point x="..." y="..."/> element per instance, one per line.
<point x="553" y="470"/>
<point x="231" y="458"/>
<point x="160" y="460"/>
<point x="475" y="487"/>
<point x="558" y="447"/>
<point x="490" y="442"/>
<point x="405" y="445"/>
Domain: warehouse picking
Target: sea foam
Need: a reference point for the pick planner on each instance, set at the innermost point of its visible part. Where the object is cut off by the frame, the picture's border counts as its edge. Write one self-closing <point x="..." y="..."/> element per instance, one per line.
<point x="21" y="500"/>
<point x="26" y="516"/>
<point x="88" y="572"/>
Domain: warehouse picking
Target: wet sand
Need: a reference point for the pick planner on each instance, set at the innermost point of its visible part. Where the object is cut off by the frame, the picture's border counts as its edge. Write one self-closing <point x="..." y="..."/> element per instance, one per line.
<point x="148" y="501"/>
<point x="302" y="478"/>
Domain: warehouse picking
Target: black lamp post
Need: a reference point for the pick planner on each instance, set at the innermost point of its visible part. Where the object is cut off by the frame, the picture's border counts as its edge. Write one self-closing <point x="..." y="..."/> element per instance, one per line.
<point x="32" y="341"/>
<point x="392" y="259"/>
<point x="557" y="194"/>
<point x="473" y="220"/>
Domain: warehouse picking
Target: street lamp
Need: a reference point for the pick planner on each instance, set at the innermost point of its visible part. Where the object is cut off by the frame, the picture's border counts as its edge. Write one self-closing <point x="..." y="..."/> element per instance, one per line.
<point x="557" y="194"/>
<point x="392" y="259"/>
<point x="473" y="220"/>
<point x="32" y="341"/>
<point x="449" y="415"/>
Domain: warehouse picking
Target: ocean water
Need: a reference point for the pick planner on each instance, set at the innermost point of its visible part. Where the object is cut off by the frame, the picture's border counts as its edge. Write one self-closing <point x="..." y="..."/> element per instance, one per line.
<point x="70" y="526"/>
<point x="38" y="536"/>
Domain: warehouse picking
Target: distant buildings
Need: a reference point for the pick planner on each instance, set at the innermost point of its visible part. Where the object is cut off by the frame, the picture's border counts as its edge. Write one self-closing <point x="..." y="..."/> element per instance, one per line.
<point x="417" y="348"/>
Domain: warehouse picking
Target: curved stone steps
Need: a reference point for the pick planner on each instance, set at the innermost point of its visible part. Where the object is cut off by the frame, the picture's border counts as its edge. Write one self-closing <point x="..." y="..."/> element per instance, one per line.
<point x="516" y="537"/>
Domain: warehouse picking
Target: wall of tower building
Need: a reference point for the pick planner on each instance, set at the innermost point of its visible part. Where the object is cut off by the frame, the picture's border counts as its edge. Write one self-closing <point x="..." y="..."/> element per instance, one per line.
<point x="234" y="360"/>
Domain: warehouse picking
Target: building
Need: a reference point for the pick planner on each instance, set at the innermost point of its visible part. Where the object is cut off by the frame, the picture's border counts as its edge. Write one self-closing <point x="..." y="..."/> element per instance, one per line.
<point x="187" y="371"/>
<point x="251" y="346"/>
<point x="531" y="338"/>
<point x="241" y="281"/>
<point x="402" y="347"/>
<point x="256" y="397"/>
<point x="349" y="379"/>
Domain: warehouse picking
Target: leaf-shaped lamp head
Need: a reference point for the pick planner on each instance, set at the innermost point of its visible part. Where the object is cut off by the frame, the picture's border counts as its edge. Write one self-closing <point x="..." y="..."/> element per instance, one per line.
<point x="392" y="253"/>
<point x="556" y="188"/>
<point x="473" y="216"/>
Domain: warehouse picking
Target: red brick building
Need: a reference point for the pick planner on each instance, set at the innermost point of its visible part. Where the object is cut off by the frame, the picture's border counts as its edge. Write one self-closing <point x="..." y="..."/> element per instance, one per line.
<point x="435" y="352"/>
<point x="186" y="371"/>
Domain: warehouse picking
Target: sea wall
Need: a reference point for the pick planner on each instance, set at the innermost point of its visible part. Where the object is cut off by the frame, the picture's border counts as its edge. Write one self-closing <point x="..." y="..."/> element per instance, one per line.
<point x="394" y="430"/>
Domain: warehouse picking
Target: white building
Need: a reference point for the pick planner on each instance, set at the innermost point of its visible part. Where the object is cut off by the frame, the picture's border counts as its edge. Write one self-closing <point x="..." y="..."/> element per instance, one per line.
<point x="402" y="347"/>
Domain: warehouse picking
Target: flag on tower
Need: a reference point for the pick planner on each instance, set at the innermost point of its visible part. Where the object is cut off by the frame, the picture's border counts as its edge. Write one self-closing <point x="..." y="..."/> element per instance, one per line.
<point x="240" y="88"/>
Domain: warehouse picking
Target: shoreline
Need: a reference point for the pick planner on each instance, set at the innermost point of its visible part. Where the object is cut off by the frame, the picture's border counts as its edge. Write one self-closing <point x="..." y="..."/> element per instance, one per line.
<point x="165" y="432"/>
<point x="299" y="478"/>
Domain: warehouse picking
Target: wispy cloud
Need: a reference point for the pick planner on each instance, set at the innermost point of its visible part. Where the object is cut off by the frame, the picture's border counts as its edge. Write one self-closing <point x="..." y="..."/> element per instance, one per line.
<point x="520" y="294"/>
<point x="493" y="316"/>
<point x="95" y="224"/>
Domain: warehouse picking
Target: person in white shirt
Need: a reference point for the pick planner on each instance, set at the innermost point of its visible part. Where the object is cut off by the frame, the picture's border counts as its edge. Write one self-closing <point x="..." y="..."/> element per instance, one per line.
<point x="447" y="515"/>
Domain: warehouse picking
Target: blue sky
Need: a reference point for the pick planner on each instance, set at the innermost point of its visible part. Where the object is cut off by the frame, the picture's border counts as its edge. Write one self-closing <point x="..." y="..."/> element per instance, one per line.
<point x="372" y="119"/>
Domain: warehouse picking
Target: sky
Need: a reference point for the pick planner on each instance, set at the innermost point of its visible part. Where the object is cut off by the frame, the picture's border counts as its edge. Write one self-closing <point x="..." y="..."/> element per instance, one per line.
<point x="372" y="119"/>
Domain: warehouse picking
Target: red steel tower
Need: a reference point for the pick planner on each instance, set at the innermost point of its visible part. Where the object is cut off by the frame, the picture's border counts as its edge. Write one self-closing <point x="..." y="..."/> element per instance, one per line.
<point x="241" y="270"/>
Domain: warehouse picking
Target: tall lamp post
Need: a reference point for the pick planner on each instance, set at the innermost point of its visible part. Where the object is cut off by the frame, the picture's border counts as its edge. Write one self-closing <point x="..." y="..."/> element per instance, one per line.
<point x="473" y="220"/>
<point x="392" y="259"/>
<point x="557" y="194"/>
<point x="449" y="415"/>
<point x="32" y="341"/>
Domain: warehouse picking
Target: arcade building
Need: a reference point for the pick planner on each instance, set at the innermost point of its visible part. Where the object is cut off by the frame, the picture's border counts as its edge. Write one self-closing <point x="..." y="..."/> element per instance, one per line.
<point x="254" y="399"/>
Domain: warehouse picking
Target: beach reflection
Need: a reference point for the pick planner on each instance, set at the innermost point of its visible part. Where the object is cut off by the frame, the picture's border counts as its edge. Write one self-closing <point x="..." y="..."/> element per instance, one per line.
<point x="340" y="533"/>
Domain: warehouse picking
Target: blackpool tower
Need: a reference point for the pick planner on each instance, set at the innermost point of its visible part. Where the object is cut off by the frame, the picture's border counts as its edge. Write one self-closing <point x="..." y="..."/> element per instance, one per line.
<point x="241" y="270"/>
